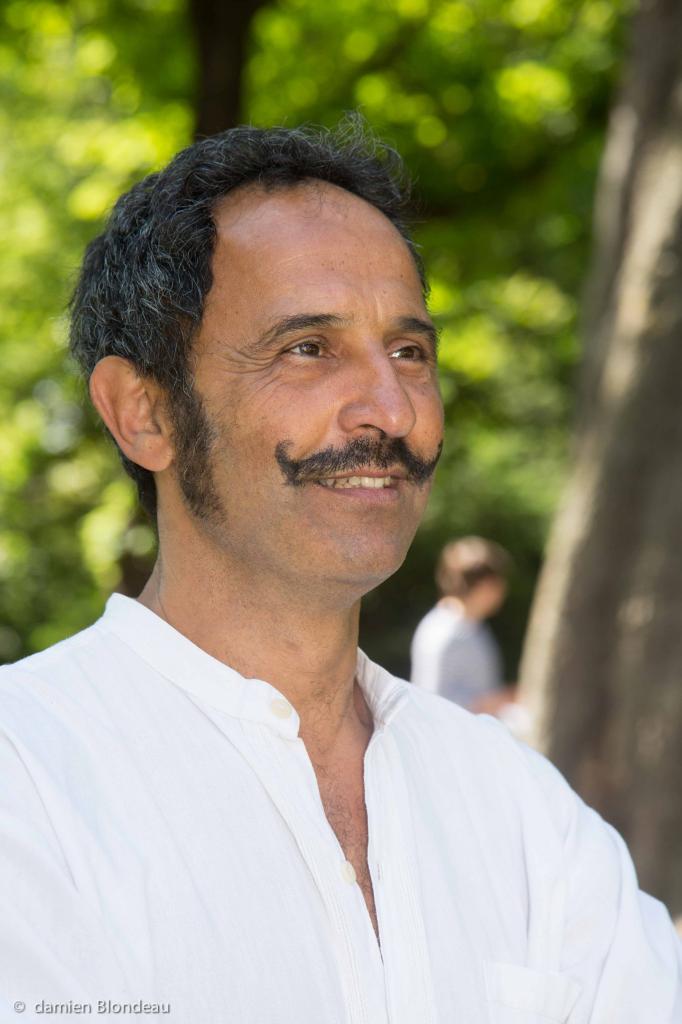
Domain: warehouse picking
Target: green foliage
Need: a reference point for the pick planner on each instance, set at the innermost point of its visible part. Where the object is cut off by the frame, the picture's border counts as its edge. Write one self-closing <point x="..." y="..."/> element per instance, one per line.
<point x="499" y="107"/>
<point x="92" y="96"/>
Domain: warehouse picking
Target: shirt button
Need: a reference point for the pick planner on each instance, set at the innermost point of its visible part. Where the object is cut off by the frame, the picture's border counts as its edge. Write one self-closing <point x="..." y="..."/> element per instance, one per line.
<point x="280" y="708"/>
<point x="348" y="872"/>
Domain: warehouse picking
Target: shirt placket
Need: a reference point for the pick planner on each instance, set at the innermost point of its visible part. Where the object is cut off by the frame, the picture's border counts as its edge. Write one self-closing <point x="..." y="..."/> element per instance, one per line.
<point x="285" y="771"/>
<point x="392" y="861"/>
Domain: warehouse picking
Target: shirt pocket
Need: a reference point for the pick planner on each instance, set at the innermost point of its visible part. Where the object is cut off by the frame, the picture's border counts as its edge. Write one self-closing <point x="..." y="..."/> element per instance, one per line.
<point x="520" y="995"/>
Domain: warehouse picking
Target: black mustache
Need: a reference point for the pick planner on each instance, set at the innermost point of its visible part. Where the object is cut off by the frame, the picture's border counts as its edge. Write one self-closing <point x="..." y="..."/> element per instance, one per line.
<point x="362" y="452"/>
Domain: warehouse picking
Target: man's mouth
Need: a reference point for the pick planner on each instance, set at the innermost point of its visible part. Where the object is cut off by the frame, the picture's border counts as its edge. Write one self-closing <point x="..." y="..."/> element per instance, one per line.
<point x="363" y="464"/>
<point x="376" y="482"/>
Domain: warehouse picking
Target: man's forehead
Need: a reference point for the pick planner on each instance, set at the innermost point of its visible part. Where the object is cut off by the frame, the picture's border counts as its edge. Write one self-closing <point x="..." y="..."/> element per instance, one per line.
<point x="310" y="248"/>
<point x="253" y="213"/>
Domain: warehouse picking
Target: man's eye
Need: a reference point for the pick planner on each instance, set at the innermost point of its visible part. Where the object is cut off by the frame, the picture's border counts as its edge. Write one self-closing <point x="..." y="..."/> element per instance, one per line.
<point x="412" y="353"/>
<point x="306" y="348"/>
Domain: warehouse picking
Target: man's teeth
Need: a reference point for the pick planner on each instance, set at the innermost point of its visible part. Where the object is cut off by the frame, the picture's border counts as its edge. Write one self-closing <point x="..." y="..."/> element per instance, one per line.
<point x="357" y="481"/>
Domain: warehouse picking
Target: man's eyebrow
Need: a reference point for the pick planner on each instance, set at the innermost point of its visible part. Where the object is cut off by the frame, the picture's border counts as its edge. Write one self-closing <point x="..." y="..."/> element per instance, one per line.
<point x="298" y="322"/>
<point x="415" y="325"/>
<point x="310" y="321"/>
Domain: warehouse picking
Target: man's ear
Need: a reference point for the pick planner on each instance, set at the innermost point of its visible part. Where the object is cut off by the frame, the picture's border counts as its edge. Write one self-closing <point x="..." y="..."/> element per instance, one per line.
<point x="132" y="408"/>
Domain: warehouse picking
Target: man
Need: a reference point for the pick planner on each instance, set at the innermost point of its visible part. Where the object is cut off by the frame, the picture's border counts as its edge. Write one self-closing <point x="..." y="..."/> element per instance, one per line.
<point x="215" y="806"/>
<point x="453" y="652"/>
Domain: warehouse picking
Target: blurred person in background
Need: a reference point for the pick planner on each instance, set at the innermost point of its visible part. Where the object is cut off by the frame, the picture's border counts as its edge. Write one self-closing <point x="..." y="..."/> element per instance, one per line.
<point x="454" y="652"/>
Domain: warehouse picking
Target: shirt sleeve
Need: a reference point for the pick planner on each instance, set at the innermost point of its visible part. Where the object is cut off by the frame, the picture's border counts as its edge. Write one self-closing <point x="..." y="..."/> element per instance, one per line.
<point x="53" y="944"/>
<point x="619" y="942"/>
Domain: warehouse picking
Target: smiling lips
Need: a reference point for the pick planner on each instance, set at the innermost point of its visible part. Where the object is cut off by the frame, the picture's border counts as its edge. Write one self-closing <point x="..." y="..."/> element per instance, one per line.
<point x="372" y="481"/>
<point x="375" y="482"/>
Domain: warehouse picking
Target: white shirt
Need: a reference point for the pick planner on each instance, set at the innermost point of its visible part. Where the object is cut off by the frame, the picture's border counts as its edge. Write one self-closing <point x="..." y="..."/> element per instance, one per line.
<point x="455" y="656"/>
<point x="162" y="841"/>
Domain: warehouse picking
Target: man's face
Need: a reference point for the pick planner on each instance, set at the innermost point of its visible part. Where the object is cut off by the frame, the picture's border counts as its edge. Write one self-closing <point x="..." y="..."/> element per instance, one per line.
<point x="315" y="366"/>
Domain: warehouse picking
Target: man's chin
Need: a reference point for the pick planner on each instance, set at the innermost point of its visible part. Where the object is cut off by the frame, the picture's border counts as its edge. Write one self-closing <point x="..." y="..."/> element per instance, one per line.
<point x="365" y="571"/>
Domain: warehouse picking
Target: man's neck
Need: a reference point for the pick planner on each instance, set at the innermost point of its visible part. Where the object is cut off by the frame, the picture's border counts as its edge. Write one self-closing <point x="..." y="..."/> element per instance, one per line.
<point x="309" y="654"/>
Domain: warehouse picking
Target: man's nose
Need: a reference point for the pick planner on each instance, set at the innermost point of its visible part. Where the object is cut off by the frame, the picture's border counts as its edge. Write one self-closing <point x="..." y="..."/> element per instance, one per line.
<point x="376" y="398"/>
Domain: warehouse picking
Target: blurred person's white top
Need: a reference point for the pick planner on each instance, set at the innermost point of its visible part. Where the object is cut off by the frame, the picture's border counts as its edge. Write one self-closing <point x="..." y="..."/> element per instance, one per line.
<point x="455" y="657"/>
<point x="162" y="840"/>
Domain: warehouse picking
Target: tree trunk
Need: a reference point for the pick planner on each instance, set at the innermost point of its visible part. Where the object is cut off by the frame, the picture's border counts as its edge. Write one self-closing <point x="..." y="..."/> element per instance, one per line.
<point x="221" y="29"/>
<point x="602" y="668"/>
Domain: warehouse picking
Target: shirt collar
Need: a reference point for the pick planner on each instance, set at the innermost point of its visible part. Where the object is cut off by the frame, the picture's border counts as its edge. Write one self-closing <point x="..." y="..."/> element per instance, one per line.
<point x="190" y="667"/>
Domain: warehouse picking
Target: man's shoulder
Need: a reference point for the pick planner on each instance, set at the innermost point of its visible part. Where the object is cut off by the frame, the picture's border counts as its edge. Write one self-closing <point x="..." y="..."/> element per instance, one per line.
<point x="53" y="658"/>
<point x="66" y="669"/>
<point x="450" y="720"/>
<point x="481" y="749"/>
<point x="450" y="730"/>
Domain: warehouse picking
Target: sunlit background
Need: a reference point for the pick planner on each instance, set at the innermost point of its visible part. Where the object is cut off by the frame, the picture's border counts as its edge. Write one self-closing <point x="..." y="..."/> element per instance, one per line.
<point x="499" y="109"/>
